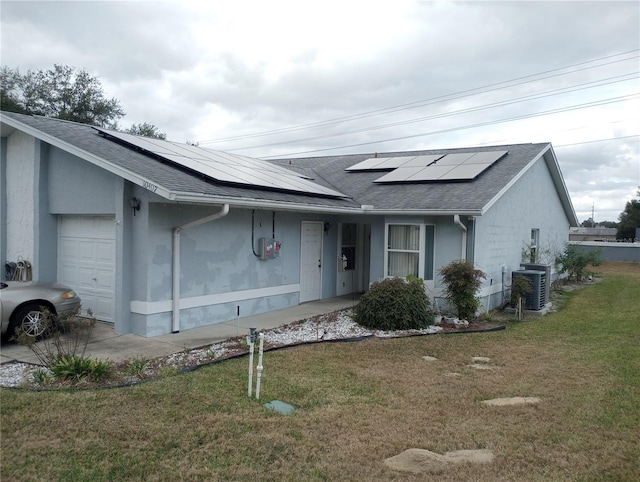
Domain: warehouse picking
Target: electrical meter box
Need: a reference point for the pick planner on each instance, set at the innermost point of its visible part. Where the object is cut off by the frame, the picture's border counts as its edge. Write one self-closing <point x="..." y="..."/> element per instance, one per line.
<point x="268" y="248"/>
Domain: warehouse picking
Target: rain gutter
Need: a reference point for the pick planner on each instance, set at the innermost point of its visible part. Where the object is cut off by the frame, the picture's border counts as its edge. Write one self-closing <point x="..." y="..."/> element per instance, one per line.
<point x="456" y="219"/>
<point x="175" y="319"/>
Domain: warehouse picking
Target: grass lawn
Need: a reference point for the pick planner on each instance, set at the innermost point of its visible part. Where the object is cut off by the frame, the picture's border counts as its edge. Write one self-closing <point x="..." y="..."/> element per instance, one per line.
<point x="360" y="403"/>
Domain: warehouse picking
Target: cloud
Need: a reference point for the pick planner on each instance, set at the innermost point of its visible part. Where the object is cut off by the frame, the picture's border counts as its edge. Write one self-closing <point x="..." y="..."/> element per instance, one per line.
<point x="202" y="71"/>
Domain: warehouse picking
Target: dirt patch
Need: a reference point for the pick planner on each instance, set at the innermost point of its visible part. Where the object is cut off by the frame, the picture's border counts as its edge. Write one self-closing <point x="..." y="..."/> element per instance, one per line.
<point x="501" y="402"/>
<point x="420" y="461"/>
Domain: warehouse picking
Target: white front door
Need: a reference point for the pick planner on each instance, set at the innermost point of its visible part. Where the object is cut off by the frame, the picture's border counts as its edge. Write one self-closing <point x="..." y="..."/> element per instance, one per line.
<point x="86" y="262"/>
<point x="311" y="261"/>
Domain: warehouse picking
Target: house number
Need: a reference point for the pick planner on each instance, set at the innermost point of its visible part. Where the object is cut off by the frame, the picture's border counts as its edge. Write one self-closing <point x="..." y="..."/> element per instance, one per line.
<point x="149" y="186"/>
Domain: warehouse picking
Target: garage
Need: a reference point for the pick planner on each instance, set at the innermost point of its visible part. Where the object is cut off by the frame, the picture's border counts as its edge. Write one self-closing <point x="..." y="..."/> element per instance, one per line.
<point x="86" y="261"/>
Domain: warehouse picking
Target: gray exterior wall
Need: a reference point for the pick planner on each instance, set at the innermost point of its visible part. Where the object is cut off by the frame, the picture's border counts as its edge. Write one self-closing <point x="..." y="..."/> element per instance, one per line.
<point x="503" y="232"/>
<point x="617" y="252"/>
<point x="219" y="272"/>
<point x="3" y="204"/>
<point x="78" y="187"/>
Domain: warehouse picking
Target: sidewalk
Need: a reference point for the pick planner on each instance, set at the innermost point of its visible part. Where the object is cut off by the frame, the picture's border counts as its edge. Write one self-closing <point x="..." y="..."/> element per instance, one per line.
<point x="105" y="344"/>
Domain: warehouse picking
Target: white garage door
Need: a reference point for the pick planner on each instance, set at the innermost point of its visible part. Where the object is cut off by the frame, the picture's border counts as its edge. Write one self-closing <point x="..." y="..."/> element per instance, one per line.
<point x="86" y="261"/>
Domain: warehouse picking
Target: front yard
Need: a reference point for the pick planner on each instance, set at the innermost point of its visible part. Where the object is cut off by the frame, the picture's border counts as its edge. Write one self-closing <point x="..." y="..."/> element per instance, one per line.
<point x="363" y="402"/>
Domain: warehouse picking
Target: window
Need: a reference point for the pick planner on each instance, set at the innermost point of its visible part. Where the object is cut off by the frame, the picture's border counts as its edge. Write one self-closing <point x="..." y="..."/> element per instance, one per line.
<point x="533" y="247"/>
<point x="403" y="250"/>
<point x="410" y="250"/>
<point x="349" y="245"/>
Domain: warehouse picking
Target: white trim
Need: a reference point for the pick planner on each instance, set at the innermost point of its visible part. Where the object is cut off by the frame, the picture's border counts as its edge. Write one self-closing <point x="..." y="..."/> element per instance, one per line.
<point x="422" y="248"/>
<point x="515" y="179"/>
<point x="155" y="307"/>
<point x="490" y="290"/>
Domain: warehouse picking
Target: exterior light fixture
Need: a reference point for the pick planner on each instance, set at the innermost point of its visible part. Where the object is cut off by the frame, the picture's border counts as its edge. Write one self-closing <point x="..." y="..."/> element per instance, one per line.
<point x="134" y="202"/>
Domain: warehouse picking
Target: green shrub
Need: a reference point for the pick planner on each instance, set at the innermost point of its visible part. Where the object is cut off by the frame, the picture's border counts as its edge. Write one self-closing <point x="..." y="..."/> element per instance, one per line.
<point x="395" y="304"/>
<point x="136" y="367"/>
<point x="520" y="287"/>
<point x="462" y="281"/>
<point x="76" y="368"/>
<point x="574" y="261"/>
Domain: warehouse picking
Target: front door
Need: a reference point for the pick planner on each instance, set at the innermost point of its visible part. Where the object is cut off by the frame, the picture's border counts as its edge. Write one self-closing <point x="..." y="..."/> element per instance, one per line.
<point x="311" y="261"/>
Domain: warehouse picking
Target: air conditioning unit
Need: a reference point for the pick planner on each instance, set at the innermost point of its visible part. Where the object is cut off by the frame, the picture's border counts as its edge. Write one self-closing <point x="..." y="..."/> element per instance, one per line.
<point x="535" y="299"/>
<point x="541" y="267"/>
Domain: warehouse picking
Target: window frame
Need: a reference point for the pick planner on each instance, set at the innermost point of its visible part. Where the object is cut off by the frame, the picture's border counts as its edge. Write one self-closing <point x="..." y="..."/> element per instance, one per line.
<point x="421" y="251"/>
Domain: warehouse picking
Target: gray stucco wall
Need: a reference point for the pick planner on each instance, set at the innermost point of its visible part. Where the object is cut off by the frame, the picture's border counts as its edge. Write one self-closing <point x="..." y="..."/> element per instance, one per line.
<point x="78" y="187"/>
<point x="3" y="203"/>
<point x="503" y="232"/>
<point x="219" y="272"/>
<point x="617" y="252"/>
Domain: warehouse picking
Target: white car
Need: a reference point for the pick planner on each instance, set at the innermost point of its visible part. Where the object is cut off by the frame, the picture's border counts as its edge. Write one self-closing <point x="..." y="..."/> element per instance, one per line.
<point x="22" y="305"/>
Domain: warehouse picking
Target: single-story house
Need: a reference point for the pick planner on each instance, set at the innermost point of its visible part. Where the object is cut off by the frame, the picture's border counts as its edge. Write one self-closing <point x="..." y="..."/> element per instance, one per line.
<point x="592" y="234"/>
<point x="159" y="237"/>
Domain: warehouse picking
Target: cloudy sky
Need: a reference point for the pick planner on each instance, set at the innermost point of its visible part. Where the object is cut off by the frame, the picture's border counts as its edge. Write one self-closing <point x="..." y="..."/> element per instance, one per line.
<point x="297" y="78"/>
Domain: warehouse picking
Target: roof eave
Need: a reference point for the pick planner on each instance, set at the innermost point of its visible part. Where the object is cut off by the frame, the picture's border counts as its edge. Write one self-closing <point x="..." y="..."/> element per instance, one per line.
<point x="92" y="158"/>
<point x="556" y="176"/>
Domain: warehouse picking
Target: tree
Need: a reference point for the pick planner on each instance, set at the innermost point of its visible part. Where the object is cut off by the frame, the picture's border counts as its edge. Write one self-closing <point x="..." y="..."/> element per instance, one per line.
<point x="9" y="88"/>
<point x="629" y="219"/>
<point x="61" y="92"/>
<point x="588" y="223"/>
<point x="146" y="130"/>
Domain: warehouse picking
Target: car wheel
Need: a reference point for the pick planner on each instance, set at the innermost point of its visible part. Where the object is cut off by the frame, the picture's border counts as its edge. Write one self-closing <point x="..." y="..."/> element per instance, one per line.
<point x="30" y="320"/>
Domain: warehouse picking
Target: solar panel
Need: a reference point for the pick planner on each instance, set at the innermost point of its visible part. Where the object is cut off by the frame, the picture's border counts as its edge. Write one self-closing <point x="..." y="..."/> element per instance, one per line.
<point x="487" y="157"/>
<point x="388" y="163"/>
<point x="379" y="164"/>
<point x="460" y="166"/>
<point x="224" y="166"/>
<point x="400" y="174"/>
<point x="462" y="172"/>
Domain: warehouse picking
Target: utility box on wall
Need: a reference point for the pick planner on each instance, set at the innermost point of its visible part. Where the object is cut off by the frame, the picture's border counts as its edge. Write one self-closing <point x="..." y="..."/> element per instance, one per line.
<point x="268" y="248"/>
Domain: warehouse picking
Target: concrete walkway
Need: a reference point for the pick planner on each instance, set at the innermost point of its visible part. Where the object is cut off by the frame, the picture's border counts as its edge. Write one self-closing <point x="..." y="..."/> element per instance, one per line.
<point x="106" y="344"/>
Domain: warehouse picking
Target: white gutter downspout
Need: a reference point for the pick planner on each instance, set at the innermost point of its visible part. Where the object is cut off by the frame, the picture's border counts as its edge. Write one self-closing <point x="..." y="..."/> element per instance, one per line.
<point x="456" y="219"/>
<point x="175" y="319"/>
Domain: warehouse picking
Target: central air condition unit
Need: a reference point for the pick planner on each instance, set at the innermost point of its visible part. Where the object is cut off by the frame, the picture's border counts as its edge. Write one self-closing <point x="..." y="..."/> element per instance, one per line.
<point x="535" y="299"/>
<point x="541" y="267"/>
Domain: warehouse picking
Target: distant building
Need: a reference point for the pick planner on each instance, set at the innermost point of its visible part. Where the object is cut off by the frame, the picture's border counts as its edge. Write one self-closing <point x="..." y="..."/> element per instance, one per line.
<point x="592" y="234"/>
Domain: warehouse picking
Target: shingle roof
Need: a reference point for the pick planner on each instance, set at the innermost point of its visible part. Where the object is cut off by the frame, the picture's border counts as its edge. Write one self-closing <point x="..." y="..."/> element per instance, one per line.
<point x="461" y="196"/>
<point x="87" y="139"/>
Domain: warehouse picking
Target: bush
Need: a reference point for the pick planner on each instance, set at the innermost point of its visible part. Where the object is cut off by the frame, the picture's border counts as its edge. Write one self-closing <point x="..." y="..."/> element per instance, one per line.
<point x="462" y="281"/>
<point x="66" y="334"/>
<point x="574" y="261"/>
<point x="395" y="304"/>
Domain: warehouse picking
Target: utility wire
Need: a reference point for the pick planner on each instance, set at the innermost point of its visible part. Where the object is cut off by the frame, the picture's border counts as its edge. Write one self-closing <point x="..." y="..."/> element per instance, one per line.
<point x="421" y="103"/>
<point x="563" y="90"/>
<point x="596" y="140"/>
<point x="471" y="126"/>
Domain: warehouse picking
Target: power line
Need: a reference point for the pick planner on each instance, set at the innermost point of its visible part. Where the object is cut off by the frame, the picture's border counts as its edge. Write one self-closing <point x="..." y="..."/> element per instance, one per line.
<point x="471" y="126"/>
<point x="563" y="90"/>
<point x="422" y="103"/>
<point x="596" y="140"/>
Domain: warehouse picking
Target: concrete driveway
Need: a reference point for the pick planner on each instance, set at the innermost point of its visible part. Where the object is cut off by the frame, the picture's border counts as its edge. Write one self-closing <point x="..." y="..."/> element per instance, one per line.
<point x="106" y="344"/>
